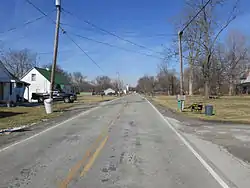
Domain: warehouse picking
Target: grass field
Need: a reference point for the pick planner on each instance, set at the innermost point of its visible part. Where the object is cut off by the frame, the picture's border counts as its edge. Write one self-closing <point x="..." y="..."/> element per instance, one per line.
<point x="227" y="108"/>
<point x="17" y="116"/>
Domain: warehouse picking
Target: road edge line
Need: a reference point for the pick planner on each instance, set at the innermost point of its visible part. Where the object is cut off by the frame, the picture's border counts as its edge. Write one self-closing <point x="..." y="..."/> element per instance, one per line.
<point x="55" y="126"/>
<point x="188" y="145"/>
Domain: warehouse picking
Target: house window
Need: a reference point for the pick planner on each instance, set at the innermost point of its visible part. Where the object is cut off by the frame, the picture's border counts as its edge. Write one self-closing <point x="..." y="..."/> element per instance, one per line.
<point x="33" y="77"/>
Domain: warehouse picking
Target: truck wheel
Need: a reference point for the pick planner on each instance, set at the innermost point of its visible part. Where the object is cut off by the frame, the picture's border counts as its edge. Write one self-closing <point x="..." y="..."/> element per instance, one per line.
<point x="66" y="100"/>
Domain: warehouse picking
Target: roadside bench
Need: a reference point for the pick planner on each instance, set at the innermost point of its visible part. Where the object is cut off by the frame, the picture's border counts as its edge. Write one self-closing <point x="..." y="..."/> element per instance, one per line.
<point x="196" y="107"/>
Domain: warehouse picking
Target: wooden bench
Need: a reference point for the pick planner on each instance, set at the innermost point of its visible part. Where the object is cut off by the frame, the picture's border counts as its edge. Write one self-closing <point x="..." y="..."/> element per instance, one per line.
<point x="214" y="97"/>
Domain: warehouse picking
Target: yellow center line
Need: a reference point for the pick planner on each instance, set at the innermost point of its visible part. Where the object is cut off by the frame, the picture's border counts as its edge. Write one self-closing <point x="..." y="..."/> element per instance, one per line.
<point x="93" y="158"/>
<point x="75" y="169"/>
<point x="72" y="172"/>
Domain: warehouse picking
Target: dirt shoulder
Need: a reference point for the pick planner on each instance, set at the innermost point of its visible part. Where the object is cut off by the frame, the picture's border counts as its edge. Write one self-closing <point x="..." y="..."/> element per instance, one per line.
<point x="6" y="139"/>
<point x="30" y="113"/>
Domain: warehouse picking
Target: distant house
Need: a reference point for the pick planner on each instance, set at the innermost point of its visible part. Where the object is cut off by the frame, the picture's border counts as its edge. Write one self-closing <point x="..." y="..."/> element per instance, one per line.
<point x="109" y="91"/>
<point x="244" y="85"/>
<point x="39" y="80"/>
<point x="11" y="88"/>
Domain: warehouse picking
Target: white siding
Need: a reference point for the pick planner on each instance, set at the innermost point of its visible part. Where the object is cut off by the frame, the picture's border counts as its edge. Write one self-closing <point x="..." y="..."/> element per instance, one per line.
<point x="41" y="85"/>
<point x="109" y="91"/>
<point x="247" y="80"/>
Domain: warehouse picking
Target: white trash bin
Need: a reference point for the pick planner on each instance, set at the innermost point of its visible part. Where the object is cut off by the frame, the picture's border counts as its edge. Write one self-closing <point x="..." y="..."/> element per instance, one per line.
<point x="48" y="105"/>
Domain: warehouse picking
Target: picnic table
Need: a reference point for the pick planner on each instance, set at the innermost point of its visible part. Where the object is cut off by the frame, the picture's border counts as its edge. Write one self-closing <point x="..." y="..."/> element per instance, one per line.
<point x="196" y="107"/>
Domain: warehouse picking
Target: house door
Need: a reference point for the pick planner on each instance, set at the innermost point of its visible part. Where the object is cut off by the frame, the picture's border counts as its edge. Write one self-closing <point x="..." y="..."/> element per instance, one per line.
<point x="1" y="91"/>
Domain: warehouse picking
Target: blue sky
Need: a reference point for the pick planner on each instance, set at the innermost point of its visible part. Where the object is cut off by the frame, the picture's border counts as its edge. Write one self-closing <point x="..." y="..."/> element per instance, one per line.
<point x="136" y="20"/>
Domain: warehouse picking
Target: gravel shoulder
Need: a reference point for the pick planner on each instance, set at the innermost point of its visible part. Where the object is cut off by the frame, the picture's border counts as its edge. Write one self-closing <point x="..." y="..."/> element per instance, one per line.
<point x="6" y="139"/>
<point x="235" y="138"/>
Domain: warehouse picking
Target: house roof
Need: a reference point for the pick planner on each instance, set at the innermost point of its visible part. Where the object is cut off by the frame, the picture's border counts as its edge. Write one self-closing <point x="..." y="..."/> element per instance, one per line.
<point x="109" y="89"/>
<point x="244" y="75"/>
<point x="59" y="77"/>
<point x="8" y="73"/>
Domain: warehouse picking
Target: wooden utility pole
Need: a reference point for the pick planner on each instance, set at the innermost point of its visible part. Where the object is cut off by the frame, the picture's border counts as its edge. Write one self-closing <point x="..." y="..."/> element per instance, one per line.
<point x="181" y="62"/>
<point x="52" y="79"/>
<point x="118" y="82"/>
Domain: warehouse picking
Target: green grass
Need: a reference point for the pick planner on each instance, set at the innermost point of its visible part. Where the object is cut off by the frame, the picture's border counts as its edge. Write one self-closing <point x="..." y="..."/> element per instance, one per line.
<point x="18" y="116"/>
<point x="228" y="108"/>
<point x="85" y="93"/>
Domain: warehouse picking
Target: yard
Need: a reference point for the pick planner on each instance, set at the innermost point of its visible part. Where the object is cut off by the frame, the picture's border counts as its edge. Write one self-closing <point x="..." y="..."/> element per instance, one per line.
<point x="227" y="108"/>
<point x="20" y="115"/>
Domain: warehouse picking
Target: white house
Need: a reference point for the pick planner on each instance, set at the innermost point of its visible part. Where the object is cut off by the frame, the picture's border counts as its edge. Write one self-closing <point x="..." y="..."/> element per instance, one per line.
<point x="245" y="83"/>
<point x="108" y="91"/>
<point x="11" y="88"/>
<point x="39" y="80"/>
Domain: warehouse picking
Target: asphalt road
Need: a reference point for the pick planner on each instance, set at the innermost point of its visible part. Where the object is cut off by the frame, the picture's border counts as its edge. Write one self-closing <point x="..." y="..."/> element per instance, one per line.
<point x="124" y="143"/>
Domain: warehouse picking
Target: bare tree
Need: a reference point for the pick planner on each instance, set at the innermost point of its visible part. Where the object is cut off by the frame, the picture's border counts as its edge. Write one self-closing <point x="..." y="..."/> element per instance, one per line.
<point x="146" y="84"/>
<point x="103" y="82"/>
<point x="167" y="80"/>
<point x="209" y="29"/>
<point x="193" y="51"/>
<point x="78" y="78"/>
<point x="236" y="56"/>
<point x="49" y="66"/>
<point x="18" y="62"/>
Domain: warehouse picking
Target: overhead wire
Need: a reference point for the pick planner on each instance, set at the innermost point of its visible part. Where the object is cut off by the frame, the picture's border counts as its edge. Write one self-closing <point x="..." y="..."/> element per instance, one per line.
<point x="93" y="61"/>
<point x="115" y="46"/>
<point x="192" y="19"/>
<point x="23" y="25"/>
<point x="111" y="33"/>
<point x="64" y="32"/>
<point x="131" y="34"/>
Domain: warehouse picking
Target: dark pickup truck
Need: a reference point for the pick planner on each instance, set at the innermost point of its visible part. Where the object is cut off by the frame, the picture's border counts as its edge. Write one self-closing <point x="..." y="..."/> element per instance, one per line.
<point x="57" y="96"/>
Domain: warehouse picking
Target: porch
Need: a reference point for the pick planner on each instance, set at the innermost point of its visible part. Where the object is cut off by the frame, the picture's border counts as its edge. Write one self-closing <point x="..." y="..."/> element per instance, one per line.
<point x="243" y="88"/>
<point x="12" y="91"/>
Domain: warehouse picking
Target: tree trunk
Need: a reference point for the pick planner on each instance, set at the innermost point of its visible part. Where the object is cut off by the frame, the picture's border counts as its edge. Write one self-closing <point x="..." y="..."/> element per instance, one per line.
<point x="206" y="89"/>
<point x="231" y="89"/>
<point x="168" y="91"/>
<point x="190" y="81"/>
<point x="218" y="88"/>
<point x="231" y="86"/>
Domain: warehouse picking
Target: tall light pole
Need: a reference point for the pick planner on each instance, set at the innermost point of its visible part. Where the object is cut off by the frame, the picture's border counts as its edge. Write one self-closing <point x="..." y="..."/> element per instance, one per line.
<point x="181" y="61"/>
<point x="52" y="79"/>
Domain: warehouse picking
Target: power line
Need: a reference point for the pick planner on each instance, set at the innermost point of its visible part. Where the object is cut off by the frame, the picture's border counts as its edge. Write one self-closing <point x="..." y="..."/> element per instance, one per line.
<point x="36" y="7"/>
<point x="46" y="53"/>
<point x="192" y="19"/>
<point x="110" y="33"/>
<point x="64" y="32"/>
<point x="126" y="33"/>
<point x="114" y="46"/>
<point x="93" y="61"/>
<point x="23" y="25"/>
<point x="81" y="28"/>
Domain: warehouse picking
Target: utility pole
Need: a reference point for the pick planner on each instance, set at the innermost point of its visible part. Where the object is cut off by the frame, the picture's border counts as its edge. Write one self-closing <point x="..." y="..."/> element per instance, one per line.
<point x="52" y="79"/>
<point x="180" y="33"/>
<point x="118" y="82"/>
<point x="181" y="62"/>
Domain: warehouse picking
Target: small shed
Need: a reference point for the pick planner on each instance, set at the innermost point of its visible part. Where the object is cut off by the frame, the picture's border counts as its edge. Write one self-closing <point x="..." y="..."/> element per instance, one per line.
<point x="109" y="91"/>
